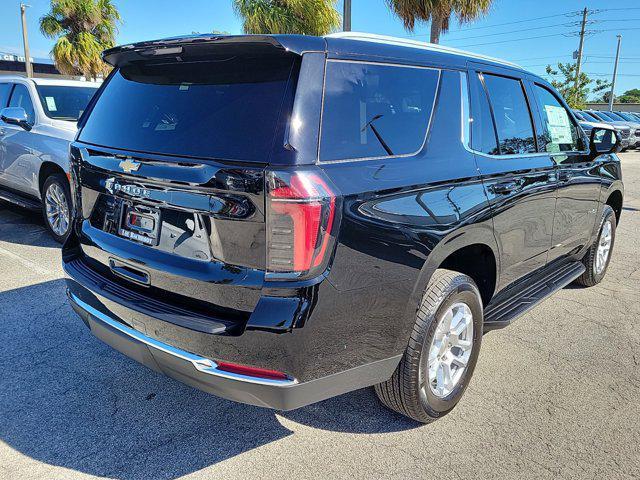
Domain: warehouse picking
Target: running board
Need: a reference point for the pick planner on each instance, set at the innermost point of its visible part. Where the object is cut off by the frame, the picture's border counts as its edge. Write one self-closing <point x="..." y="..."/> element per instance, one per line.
<point x="525" y="295"/>
<point x="20" y="200"/>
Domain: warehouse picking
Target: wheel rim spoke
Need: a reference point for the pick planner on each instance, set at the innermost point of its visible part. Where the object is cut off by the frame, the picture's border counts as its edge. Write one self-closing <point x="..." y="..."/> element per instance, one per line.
<point x="56" y="209"/>
<point x="604" y="247"/>
<point x="450" y="350"/>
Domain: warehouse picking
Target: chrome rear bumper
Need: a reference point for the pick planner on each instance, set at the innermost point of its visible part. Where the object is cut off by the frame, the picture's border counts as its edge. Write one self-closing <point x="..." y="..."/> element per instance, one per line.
<point x="204" y="374"/>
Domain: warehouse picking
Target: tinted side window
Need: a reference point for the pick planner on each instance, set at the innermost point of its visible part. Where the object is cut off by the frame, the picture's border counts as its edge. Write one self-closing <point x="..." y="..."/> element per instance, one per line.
<point x="483" y="132"/>
<point x="512" y="116"/>
<point x="21" y="98"/>
<point x="5" y="89"/>
<point x="375" y="110"/>
<point x="561" y="134"/>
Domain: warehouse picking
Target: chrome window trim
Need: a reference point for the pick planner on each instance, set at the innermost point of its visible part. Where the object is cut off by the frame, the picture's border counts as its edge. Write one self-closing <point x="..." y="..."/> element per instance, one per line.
<point x="319" y="161"/>
<point x="465" y="99"/>
<point x="201" y="364"/>
<point x="465" y="104"/>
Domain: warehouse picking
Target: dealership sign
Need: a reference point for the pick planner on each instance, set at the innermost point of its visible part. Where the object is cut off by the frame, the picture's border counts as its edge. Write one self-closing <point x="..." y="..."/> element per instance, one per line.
<point x="9" y="57"/>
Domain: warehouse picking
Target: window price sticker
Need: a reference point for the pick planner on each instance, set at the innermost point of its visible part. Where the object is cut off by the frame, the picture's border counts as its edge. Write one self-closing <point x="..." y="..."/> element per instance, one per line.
<point x="559" y="124"/>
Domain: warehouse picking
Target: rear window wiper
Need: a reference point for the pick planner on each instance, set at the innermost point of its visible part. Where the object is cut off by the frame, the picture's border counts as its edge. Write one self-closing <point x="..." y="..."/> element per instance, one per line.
<point x="376" y="133"/>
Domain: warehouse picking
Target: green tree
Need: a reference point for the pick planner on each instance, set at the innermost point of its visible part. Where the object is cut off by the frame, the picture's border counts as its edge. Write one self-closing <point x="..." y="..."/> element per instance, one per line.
<point x="565" y="83"/>
<point x="310" y="17"/>
<point x="630" y="96"/>
<point x="438" y="12"/>
<point x="82" y="29"/>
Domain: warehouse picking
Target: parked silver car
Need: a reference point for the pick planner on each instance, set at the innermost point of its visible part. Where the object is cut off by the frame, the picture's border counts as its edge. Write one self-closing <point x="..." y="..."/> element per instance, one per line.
<point x="593" y="118"/>
<point x="614" y="119"/>
<point x="38" y="120"/>
<point x="634" y="118"/>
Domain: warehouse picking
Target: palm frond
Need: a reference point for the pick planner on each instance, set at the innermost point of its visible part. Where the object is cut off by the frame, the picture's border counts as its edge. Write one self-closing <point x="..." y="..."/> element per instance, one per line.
<point x="412" y="12"/>
<point x="83" y="28"/>
<point x="310" y="17"/>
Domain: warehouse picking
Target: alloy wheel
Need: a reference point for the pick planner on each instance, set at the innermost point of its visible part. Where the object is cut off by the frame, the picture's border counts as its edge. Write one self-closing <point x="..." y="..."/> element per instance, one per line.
<point x="450" y="349"/>
<point x="57" y="209"/>
<point x="604" y="247"/>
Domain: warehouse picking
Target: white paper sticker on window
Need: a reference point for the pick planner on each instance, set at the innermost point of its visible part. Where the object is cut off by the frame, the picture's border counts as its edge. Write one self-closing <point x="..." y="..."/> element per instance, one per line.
<point x="559" y="124"/>
<point x="51" y="104"/>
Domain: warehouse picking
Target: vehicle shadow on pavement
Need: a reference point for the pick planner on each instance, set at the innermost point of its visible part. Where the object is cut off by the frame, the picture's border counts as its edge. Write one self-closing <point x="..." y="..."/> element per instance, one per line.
<point x="68" y="400"/>
<point x="26" y="227"/>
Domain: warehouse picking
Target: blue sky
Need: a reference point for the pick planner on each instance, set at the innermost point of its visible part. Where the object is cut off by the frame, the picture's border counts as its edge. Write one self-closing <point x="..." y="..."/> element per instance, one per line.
<point x="147" y="19"/>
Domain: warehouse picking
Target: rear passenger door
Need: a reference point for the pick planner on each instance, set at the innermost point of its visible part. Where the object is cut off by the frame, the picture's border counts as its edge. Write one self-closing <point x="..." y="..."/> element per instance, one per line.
<point x="578" y="174"/>
<point x="519" y="181"/>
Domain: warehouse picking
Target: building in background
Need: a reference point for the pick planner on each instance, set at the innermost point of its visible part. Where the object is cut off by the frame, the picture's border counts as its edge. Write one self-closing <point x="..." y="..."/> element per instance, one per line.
<point x="617" y="107"/>
<point x="11" y="64"/>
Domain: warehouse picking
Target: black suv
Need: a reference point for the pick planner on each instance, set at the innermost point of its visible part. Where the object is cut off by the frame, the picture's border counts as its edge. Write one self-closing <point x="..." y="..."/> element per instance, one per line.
<point x="281" y="219"/>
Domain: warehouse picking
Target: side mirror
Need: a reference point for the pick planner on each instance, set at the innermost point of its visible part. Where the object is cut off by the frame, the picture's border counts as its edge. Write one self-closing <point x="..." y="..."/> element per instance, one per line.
<point x="604" y="140"/>
<point x="15" y="116"/>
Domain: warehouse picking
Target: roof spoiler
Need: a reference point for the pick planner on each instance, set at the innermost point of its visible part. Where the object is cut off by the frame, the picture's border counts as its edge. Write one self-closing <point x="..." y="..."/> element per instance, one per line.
<point x="202" y="45"/>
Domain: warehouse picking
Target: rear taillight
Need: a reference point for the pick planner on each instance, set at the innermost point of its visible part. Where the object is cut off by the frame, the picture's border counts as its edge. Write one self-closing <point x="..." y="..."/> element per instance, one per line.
<point x="301" y="211"/>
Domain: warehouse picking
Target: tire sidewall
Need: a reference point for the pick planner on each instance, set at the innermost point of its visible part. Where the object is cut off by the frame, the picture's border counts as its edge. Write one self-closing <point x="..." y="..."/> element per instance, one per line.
<point x="466" y="293"/>
<point x="61" y="181"/>
<point x="608" y="214"/>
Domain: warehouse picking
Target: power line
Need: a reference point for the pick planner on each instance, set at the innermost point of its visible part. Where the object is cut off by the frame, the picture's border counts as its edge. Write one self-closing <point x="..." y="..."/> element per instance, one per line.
<point x="512" y="40"/>
<point x="600" y="10"/>
<point x="567" y="14"/>
<point x="541" y="58"/>
<point x="512" y="31"/>
<point x="593" y="32"/>
<point x="585" y="62"/>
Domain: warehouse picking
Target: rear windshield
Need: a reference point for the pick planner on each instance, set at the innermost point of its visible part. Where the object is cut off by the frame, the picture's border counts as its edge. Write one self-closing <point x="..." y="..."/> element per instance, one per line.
<point x="64" y="102"/>
<point x="227" y="108"/>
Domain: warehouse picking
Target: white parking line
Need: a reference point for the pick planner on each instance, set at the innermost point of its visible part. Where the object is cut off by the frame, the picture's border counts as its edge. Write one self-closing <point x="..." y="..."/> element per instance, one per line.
<point x="25" y="262"/>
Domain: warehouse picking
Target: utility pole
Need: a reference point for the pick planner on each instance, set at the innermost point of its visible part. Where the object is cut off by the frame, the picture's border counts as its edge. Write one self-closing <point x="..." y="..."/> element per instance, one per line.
<point x="580" y="47"/>
<point x="346" y="16"/>
<point x="25" y="39"/>
<point x="615" y="73"/>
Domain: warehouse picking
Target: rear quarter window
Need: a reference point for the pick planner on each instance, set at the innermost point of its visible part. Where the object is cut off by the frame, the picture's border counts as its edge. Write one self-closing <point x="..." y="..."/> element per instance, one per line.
<point x="375" y="110"/>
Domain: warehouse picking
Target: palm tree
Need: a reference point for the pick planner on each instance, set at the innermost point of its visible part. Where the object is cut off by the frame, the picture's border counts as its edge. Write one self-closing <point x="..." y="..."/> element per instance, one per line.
<point x="83" y="29"/>
<point x="310" y="17"/>
<point x="438" y="12"/>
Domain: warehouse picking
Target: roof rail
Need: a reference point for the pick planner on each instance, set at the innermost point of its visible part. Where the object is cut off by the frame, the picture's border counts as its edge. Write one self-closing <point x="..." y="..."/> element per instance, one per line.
<point x="405" y="42"/>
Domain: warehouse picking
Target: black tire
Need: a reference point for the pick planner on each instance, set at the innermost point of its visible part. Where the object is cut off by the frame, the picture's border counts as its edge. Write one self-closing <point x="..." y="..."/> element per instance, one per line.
<point x="61" y="181"/>
<point x="408" y="391"/>
<point x="591" y="275"/>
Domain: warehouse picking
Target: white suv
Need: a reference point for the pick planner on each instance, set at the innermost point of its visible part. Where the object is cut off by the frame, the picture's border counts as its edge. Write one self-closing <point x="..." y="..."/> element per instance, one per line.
<point x="38" y="120"/>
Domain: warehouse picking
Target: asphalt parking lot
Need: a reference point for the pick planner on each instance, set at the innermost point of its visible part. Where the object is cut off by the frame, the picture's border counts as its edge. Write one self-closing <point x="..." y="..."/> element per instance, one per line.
<point x="556" y="395"/>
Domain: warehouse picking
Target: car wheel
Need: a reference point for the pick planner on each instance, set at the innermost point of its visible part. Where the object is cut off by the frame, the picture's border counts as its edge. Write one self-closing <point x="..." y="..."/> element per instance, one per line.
<point x="56" y="206"/>
<point x="442" y="352"/>
<point x="596" y="260"/>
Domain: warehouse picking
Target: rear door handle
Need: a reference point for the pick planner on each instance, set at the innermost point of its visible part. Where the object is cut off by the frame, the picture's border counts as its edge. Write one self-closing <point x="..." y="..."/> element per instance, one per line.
<point x="506" y="187"/>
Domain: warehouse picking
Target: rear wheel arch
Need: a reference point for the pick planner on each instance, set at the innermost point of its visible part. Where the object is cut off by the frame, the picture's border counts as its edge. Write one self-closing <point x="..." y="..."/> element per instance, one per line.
<point x="479" y="262"/>
<point x="614" y="200"/>
<point x="46" y="170"/>
<point x="456" y="253"/>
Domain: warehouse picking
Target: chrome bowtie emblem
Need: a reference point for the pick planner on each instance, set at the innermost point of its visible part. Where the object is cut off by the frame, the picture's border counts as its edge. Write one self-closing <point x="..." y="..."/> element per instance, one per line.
<point x="129" y="166"/>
